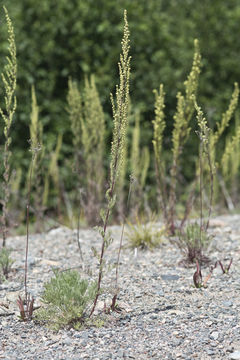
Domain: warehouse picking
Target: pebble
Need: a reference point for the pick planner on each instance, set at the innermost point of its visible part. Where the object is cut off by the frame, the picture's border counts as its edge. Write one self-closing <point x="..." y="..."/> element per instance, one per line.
<point x="235" y="355"/>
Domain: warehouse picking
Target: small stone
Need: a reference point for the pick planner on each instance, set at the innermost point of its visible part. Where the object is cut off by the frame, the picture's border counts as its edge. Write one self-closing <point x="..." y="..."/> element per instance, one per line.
<point x="228" y="303"/>
<point x="235" y="355"/>
<point x="169" y="277"/>
<point x="160" y="293"/>
<point x="214" y="335"/>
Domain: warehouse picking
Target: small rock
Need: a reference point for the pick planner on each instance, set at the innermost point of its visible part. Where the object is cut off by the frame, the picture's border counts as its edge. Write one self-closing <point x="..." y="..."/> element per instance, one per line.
<point x="169" y="277"/>
<point x="227" y="303"/>
<point x="214" y="335"/>
<point x="235" y="355"/>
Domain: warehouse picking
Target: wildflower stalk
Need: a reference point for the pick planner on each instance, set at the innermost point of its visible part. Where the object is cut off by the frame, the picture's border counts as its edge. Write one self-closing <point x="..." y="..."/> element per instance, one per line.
<point x="185" y="109"/>
<point x="35" y="147"/>
<point x="9" y="78"/>
<point x="27" y="221"/>
<point x="204" y="136"/>
<point x="158" y="129"/>
<point x="120" y="121"/>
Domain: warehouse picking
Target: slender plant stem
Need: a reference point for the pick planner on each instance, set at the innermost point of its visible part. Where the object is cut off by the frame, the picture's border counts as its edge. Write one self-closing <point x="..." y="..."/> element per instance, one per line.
<point x="162" y="190"/>
<point x="172" y="197"/>
<point x="122" y="232"/>
<point x="78" y="230"/>
<point x="27" y="223"/>
<point x="111" y="194"/>
<point x="114" y="299"/>
<point x="119" y="135"/>
<point x="211" y="185"/>
<point x="189" y="203"/>
<point x="201" y="189"/>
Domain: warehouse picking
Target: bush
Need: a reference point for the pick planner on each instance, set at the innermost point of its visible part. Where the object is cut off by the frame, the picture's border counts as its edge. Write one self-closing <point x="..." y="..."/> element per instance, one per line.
<point x="67" y="297"/>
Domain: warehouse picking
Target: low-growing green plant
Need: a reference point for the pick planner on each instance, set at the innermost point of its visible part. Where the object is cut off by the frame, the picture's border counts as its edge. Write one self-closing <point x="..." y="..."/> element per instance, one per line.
<point x="68" y="299"/>
<point x="5" y="261"/>
<point x="144" y="235"/>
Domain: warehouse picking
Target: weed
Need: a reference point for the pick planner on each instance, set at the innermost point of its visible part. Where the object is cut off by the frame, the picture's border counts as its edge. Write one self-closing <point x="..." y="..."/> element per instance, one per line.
<point x="181" y="131"/>
<point x="192" y="241"/>
<point x="9" y="78"/>
<point x="36" y="135"/>
<point x="120" y="121"/>
<point x="144" y="236"/>
<point x="25" y="307"/>
<point x="197" y="276"/>
<point x="67" y="298"/>
<point x="225" y="269"/>
<point x="5" y="261"/>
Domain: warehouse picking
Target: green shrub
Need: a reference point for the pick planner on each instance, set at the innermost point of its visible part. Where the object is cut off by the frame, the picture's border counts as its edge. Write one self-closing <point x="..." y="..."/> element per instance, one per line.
<point x="67" y="298"/>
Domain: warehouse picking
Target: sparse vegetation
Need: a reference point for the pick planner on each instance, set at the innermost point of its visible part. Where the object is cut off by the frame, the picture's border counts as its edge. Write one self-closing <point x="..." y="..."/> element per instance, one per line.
<point x="68" y="299"/>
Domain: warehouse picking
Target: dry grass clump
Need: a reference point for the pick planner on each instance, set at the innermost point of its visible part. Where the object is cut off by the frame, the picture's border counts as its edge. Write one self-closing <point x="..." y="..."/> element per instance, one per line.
<point x="145" y="235"/>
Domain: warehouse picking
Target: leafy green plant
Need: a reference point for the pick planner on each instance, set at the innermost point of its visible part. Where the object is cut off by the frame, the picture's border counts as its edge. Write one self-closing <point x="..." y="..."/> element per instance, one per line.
<point x="144" y="236"/>
<point x="5" y="261"/>
<point x="67" y="298"/>
<point x="9" y="79"/>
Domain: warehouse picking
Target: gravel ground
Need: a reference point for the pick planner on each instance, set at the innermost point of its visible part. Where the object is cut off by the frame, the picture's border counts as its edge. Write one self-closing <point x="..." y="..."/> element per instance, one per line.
<point x="163" y="316"/>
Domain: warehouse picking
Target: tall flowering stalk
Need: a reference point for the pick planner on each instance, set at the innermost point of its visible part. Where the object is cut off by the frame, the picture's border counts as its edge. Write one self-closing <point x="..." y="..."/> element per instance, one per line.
<point x="9" y="79"/>
<point x="120" y="121"/>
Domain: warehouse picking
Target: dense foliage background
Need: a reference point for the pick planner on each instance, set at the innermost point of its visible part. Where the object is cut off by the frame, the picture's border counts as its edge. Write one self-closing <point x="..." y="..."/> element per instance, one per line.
<point x="75" y="38"/>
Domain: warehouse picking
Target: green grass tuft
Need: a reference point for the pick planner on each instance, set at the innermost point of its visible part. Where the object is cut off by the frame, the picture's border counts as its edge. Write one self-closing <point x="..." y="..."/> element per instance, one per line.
<point x="144" y="236"/>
